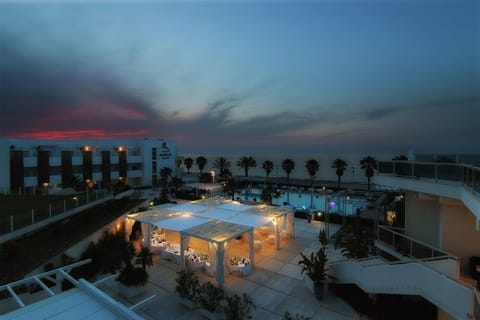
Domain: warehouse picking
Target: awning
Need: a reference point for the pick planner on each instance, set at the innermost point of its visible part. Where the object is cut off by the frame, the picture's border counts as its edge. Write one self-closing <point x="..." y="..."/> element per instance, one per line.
<point x="180" y="223"/>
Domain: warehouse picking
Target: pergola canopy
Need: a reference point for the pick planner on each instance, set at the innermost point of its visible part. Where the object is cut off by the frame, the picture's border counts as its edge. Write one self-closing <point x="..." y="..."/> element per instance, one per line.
<point x="217" y="231"/>
<point x="180" y="222"/>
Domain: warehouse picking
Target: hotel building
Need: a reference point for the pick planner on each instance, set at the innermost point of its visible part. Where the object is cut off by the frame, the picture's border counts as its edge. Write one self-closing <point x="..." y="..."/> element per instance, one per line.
<point x="28" y="164"/>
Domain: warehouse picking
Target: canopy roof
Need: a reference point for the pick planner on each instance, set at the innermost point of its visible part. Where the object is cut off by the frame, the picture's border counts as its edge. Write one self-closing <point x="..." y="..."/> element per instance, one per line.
<point x="153" y="216"/>
<point x="180" y="222"/>
<point x="249" y="219"/>
<point x="188" y="207"/>
<point x="227" y="219"/>
<point x="217" y="231"/>
<point x="234" y="206"/>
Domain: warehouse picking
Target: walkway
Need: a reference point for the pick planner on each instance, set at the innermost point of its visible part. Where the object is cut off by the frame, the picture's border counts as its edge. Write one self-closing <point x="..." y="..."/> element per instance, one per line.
<point x="275" y="284"/>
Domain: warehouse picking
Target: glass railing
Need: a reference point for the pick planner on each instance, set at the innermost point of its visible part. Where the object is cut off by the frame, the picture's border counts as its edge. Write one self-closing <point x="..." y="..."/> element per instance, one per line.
<point x="408" y="246"/>
<point x="468" y="175"/>
<point x="45" y="208"/>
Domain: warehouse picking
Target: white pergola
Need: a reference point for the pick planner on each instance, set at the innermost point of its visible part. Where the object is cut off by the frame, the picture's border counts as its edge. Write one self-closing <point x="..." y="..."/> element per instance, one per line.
<point x="216" y="221"/>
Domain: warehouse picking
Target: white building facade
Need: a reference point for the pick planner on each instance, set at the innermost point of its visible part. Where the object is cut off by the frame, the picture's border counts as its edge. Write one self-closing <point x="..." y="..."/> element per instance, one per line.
<point x="28" y="164"/>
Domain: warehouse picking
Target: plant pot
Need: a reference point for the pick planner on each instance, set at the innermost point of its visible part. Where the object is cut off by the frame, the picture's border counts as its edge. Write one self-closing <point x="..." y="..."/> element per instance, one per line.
<point x="187" y="303"/>
<point x="209" y="315"/>
<point x="129" y="292"/>
<point x="309" y="284"/>
<point x="317" y="289"/>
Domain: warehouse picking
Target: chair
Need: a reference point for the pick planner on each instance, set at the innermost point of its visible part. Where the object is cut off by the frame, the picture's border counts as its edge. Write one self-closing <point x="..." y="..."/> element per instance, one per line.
<point x="209" y="268"/>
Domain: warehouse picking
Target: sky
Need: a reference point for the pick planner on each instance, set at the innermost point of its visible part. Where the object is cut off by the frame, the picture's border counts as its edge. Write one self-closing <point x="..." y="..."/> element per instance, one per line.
<point x="245" y="77"/>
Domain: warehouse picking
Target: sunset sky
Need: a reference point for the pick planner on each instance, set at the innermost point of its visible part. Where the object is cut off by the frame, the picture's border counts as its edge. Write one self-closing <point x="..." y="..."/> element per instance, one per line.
<point x="226" y="76"/>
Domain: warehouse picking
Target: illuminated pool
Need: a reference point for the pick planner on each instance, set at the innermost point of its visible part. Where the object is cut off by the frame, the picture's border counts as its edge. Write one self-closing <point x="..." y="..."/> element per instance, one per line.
<point x="302" y="200"/>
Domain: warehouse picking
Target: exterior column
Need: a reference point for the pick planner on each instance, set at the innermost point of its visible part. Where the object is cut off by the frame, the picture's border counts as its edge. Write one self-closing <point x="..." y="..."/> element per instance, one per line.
<point x="220" y="264"/>
<point x="252" y="248"/>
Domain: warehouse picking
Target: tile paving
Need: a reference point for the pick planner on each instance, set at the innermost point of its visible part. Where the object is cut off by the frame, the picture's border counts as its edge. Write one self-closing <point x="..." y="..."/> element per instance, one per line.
<point x="275" y="284"/>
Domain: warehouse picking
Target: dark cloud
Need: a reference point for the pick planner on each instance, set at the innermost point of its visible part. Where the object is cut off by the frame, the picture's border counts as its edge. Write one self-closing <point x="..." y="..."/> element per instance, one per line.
<point x="40" y="92"/>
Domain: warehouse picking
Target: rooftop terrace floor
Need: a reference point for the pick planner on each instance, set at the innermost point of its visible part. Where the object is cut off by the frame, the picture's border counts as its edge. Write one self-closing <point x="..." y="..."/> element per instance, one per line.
<point x="275" y="283"/>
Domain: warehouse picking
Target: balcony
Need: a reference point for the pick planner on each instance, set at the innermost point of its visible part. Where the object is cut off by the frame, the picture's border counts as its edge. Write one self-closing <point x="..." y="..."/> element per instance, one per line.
<point x="451" y="180"/>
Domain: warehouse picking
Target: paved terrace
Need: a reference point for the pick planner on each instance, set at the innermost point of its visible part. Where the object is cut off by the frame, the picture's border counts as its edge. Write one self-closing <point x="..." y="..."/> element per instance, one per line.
<point x="275" y="283"/>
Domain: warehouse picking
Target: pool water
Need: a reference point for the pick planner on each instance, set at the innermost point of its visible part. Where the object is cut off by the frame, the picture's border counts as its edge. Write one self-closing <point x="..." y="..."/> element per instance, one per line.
<point x="302" y="200"/>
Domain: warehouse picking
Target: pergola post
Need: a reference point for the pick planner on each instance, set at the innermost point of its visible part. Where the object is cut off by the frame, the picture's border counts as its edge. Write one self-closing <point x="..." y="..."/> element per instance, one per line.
<point x="220" y="263"/>
<point x="277" y="234"/>
<point x="252" y="247"/>
<point x="182" y="251"/>
<point x="148" y="238"/>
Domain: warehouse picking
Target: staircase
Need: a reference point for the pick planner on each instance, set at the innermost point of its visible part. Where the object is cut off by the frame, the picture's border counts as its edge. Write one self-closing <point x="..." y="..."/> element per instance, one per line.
<point x="434" y="278"/>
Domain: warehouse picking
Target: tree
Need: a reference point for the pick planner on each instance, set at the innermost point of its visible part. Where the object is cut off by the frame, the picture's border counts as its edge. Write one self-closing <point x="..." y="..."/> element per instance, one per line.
<point x="288" y="165"/>
<point x="369" y="164"/>
<point x="267" y="165"/>
<point x="312" y="168"/>
<point x="177" y="183"/>
<point x="165" y="173"/>
<point x="188" y="163"/>
<point x="340" y="166"/>
<point x="201" y="162"/>
<point x="223" y="167"/>
<point x="353" y="241"/>
<point x="247" y="162"/>
<point x="230" y="186"/>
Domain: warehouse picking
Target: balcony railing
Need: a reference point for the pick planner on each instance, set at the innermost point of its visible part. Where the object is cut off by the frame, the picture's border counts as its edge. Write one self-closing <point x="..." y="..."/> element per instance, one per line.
<point x="467" y="175"/>
<point x="409" y="247"/>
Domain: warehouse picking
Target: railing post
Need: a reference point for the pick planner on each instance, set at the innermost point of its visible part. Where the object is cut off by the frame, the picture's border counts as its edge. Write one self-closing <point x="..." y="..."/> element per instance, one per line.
<point x="411" y="248"/>
<point x="33" y="216"/>
<point x="50" y="210"/>
<point x="11" y="223"/>
<point x="64" y="205"/>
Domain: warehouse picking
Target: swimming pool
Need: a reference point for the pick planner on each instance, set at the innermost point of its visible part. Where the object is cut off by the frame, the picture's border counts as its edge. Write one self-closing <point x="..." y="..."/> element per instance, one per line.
<point x="301" y="200"/>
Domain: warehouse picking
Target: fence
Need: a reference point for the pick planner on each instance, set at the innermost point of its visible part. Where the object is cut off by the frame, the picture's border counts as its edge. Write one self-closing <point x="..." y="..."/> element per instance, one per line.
<point x="18" y="220"/>
<point x="468" y="175"/>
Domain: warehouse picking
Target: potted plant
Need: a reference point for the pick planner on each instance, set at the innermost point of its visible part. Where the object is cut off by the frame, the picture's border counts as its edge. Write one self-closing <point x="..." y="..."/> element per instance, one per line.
<point x="134" y="276"/>
<point x="209" y="300"/>
<point x="187" y="288"/>
<point x="239" y="308"/>
<point x="314" y="267"/>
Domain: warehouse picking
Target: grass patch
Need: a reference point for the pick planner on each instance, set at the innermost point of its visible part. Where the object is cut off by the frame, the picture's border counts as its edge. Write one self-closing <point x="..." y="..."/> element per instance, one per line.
<point x="20" y="207"/>
<point x="21" y="256"/>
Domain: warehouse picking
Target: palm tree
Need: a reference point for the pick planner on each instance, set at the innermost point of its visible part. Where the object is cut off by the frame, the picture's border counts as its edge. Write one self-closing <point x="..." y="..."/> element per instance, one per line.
<point x="165" y="173"/>
<point x="177" y="183"/>
<point x="223" y="167"/>
<point x="201" y="162"/>
<point x="369" y="164"/>
<point x="247" y="162"/>
<point x="267" y="165"/>
<point x="312" y="168"/>
<point x="288" y="165"/>
<point x="340" y="166"/>
<point x="188" y="162"/>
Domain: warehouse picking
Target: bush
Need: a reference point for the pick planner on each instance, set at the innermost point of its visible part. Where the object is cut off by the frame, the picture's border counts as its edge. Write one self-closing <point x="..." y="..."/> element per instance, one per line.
<point x="239" y="308"/>
<point x="210" y="296"/>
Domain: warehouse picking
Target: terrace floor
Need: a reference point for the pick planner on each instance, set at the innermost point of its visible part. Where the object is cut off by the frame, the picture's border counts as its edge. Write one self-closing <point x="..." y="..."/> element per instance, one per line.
<point x="275" y="283"/>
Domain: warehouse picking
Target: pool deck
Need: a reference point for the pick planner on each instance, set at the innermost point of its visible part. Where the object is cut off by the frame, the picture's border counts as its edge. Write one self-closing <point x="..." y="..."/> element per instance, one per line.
<point x="275" y="284"/>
